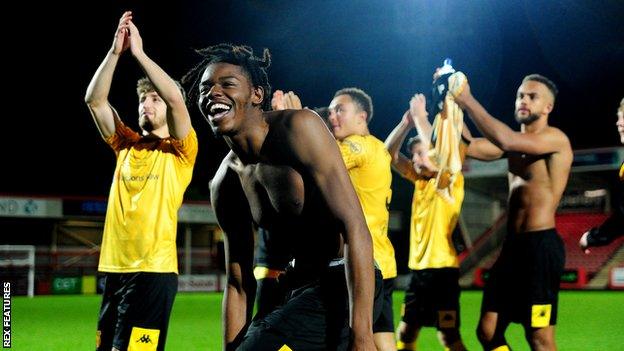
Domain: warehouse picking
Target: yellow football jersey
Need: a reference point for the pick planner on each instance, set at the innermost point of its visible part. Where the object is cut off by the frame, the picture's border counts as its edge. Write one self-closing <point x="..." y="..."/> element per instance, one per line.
<point x="432" y="224"/>
<point x="150" y="178"/>
<point x="368" y="163"/>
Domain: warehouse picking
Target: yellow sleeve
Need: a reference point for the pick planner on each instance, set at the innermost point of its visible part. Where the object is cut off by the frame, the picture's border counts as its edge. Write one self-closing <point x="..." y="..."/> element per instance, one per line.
<point x="353" y="150"/>
<point x="187" y="147"/>
<point x="123" y="136"/>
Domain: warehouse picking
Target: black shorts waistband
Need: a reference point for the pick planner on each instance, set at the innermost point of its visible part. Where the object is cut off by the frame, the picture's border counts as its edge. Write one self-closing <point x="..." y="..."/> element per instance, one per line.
<point x="539" y="232"/>
<point x="534" y="234"/>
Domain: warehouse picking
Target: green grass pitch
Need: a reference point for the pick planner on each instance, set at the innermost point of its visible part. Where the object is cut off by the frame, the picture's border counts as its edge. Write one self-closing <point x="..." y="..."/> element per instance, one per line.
<point x="588" y="320"/>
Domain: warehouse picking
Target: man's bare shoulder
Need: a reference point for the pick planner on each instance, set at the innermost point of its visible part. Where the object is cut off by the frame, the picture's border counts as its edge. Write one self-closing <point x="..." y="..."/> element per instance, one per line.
<point x="556" y="131"/>
<point x="226" y="168"/>
<point x="561" y="136"/>
<point x="291" y="118"/>
<point x="296" y="127"/>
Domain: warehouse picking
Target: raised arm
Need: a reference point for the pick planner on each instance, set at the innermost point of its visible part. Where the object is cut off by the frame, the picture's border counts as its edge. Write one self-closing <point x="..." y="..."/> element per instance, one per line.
<point x="419" y="115"/>
<point x="96" y="96"/>
<point x="549" y="140"/>
<point x="480" y="148"/>
<point x="393" y="142"/>
<point x="178" y="118"/>
<point x="234" y="217"/>
<point x="316" y="151"/>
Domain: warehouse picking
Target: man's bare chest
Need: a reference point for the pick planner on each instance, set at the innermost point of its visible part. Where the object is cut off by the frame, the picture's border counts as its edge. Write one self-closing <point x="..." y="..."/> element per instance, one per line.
<point x="272" y="190"/>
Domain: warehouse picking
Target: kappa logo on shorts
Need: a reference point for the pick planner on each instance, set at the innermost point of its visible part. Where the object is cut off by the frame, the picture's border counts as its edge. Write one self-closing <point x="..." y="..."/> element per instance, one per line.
<point x="540" y="315"/>
<point x="145" y="339"/>
<point x="142" y="339"/>
<point x="447" y="319"/>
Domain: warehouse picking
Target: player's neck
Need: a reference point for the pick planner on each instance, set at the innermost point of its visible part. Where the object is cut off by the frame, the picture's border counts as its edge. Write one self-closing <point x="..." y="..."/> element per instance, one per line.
<point x="248" y="140"/>
<point x="536" y="126"/>
<point x="162" y="133"/>
<point x="361" y="131"/>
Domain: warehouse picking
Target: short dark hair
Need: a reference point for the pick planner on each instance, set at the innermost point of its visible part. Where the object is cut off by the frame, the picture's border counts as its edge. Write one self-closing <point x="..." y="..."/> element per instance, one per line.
<point x="413" y="141"/>
<point x="144" y="85"/>
<point x="363" y="100"/>
<point x="541" y="79"/>
<point x="240" y="55"/>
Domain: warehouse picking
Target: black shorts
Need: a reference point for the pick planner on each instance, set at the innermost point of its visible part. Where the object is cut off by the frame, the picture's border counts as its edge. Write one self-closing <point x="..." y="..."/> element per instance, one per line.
<point x="269" y="295"/>
<point x="433" y="298"/>
<point x="314" y="317"/>
<point x="523" y="284"/>
<point x="385" y="322"/>
<point x="271" y="250"/>
<point x="135" y="310"/>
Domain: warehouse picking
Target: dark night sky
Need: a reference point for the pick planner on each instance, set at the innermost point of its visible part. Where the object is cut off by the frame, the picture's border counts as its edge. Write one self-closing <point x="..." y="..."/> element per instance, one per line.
<point x="388" y="48"/>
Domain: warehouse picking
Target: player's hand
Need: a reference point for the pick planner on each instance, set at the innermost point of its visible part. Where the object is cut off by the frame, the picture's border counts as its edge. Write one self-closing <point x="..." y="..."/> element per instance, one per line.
<point x="136" y="42"/>
<point x="121" y="42"/>
<point x="418" y="107"/>
<point x="583" y="243"/>
<point x="287" y="101"/>
<point x="292" y="101"/>
<point x="277" y="102"/>
<point x="426" y="168"/>
<point x="464" y="95"/>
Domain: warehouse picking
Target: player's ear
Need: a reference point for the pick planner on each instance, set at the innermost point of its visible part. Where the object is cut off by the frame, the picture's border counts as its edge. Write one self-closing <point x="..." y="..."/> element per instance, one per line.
<point x="363" y="116"/>
<point x="549" y="107"/>
<point x="257" y="95"/>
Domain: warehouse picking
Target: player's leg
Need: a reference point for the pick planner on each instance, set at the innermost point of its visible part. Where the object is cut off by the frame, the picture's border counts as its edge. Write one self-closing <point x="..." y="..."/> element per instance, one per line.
<point x="446" y="282"/>
<point x="548" y="258"/>
<point x="144" y="311"/>
<point x="541" y="339"/>
<point x="108" y="314"/>
<point x="417" y="310"/>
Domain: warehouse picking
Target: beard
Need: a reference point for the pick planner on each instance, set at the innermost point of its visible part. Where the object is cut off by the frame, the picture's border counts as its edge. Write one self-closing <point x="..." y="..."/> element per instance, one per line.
<point x="528" y="119"/>
<point x="146" y="124"/>
<point x="151" y="124"/>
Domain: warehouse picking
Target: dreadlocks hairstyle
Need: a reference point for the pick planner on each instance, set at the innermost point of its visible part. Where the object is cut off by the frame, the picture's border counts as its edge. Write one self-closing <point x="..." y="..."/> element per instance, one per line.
<point x="547" y="82"/>
<point x="239" y="55"/>
<point x="361" y="99"/>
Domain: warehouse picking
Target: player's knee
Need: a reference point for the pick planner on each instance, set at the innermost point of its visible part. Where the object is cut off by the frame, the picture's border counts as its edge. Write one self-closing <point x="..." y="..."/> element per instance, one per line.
<point x="542" y="341"/>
